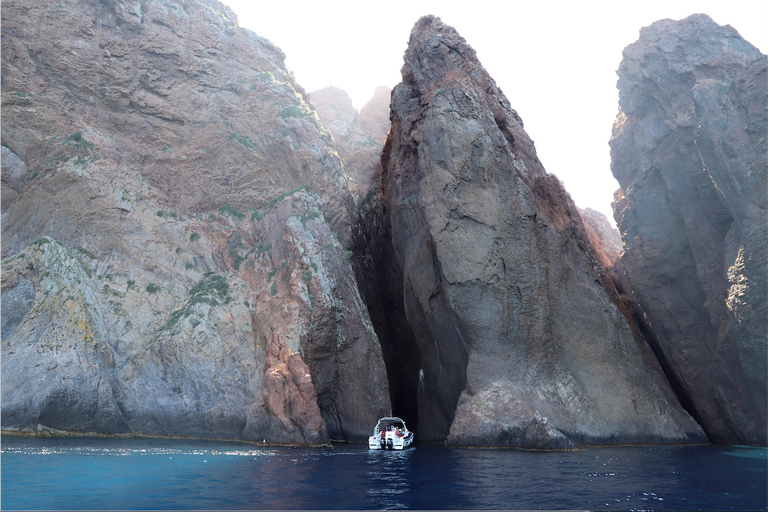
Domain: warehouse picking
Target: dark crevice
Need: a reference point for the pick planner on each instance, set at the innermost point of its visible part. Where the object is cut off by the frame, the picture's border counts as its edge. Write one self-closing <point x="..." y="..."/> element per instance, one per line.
<point x="374" y="264"/>
<point x="401" y="357"/>
<point x="501" y="123"/>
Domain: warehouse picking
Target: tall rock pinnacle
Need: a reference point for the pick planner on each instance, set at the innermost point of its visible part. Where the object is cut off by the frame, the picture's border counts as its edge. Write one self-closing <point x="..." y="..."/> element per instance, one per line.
<point x="690" y="153"/>
<point x="508" y="331"/>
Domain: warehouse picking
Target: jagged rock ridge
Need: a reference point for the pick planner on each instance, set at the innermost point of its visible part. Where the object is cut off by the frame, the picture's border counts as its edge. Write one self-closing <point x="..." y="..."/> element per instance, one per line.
<point x="689" y="151"/>
<point x="501" y="324"/>
<point x="175" y="228"/>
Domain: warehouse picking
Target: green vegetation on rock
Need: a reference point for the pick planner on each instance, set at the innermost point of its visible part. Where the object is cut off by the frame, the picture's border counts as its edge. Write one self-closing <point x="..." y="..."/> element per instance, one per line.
<point x="292" y="111"/>
<point x="263" y="248"/>
<point x="211" y="289"/>
<point x="234" y="245"/>
<point x="231" y="212"/>
<point x="172" y="214"/>
<point x="77" y="141"/>
<point x="241" y="139"/>
<point x="311" y="214"/>
<point x="258" y="214"/>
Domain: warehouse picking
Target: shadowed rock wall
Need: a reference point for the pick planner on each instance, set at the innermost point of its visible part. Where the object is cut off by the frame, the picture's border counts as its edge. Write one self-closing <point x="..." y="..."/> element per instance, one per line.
<point x="689" y="151"/>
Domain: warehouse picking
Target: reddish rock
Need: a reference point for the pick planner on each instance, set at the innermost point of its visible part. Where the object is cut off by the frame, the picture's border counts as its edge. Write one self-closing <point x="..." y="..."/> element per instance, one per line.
<point x="689" y="151"/>
<point x="604" y="237"/>
<point x="291" y="398"/>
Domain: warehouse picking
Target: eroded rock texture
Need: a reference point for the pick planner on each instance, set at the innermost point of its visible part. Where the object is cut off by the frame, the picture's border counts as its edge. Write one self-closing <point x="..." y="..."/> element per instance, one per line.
<point x="497" y="313"/>
<point x="689" y="151"/>
<point x="175" y="225"/>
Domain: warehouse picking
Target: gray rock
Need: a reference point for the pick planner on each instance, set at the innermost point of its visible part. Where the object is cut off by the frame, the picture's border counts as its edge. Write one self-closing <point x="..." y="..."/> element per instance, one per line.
<point x="689" y="151"/>
<point x="359" y="145"/>
<point x="17" y="299"/>
<point x="181" y="233"/>
<point x="507" y="311"/>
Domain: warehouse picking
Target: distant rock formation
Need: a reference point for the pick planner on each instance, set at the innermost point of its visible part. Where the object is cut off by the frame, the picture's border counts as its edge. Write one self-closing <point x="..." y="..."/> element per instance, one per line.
<point x="604" y="237"/>
<point x="689" y="151"/>
<point x="499" y="325"/>
<point x="359" y="143"/>
<point x="374" y="116"/>
<point x="175" y="230"/>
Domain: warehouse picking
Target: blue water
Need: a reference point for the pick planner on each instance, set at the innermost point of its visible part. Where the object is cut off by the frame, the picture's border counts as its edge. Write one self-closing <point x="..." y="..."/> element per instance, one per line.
<point x="143" y="473"/>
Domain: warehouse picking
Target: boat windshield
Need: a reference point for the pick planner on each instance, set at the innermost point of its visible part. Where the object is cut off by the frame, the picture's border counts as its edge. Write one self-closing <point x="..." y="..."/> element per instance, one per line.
<point x="390" y="424"/>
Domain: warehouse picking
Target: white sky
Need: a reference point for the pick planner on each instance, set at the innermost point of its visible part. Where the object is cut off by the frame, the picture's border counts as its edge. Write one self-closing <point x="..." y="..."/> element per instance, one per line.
<point x="554" y="60"/>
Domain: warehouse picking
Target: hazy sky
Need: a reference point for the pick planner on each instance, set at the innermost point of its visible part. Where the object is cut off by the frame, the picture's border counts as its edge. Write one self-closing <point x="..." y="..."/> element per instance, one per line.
<point x="555" y="61"/>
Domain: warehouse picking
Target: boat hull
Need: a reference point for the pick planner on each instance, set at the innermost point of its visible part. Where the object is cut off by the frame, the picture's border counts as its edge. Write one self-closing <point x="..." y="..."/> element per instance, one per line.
<point x="389" y="441"/>
<point x="390" y="433"/>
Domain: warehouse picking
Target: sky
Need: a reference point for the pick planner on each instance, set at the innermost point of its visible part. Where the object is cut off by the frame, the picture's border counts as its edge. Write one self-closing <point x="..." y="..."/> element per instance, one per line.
<point x="555" y="61"/>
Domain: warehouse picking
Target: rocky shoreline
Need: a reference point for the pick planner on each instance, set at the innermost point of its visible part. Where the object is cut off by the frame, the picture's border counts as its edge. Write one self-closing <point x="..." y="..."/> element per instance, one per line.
<point x="196" y="247"/>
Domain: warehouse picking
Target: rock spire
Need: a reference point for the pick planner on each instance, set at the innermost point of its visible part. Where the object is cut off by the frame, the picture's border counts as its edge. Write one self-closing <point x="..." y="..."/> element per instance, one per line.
<point x="509" y="331"/>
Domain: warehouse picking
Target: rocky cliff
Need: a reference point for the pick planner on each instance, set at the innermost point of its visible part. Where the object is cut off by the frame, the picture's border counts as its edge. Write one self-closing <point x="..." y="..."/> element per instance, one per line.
<point x="689" y="151"/>
<point x="190" y="249"/>
<point x="359" y="136"/>
<point x="175" y="225"/>
<point x="499" y="324"/>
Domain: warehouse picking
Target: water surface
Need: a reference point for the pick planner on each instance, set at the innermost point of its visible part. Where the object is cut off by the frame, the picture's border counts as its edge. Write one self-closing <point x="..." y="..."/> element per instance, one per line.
<point x="144" y="473"/>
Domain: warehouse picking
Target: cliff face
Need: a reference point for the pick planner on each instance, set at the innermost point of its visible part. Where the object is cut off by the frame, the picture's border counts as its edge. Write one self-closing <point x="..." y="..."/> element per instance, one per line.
<point x="502" y="324"/>
<point x="175" y="220"/>
<point x="689" y="151"/>
<point x="177" y="225"/>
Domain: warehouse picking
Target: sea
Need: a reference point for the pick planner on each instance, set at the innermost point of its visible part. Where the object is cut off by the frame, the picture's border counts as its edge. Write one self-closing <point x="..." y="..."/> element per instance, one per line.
<point x="170" y="474"/>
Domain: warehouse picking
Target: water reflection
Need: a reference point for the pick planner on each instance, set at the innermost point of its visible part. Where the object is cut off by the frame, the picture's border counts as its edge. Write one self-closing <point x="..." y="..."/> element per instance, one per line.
<point x="388" y="478"/>
<point x="296" y="478"/>
<point x="168" y="474"/>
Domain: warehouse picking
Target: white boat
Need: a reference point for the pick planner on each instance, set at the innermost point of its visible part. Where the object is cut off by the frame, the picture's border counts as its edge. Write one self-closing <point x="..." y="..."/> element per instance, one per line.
<point x="390" y="433"/>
